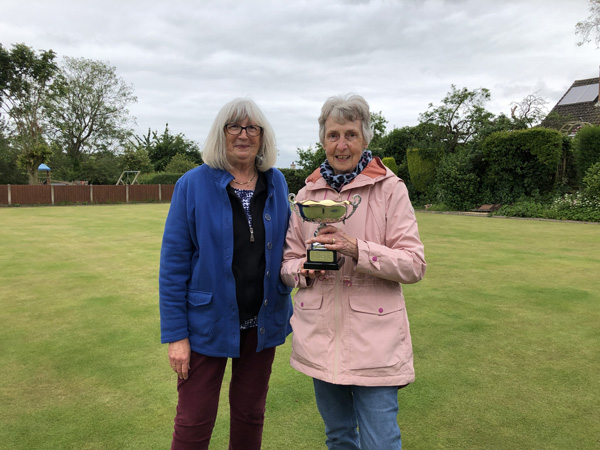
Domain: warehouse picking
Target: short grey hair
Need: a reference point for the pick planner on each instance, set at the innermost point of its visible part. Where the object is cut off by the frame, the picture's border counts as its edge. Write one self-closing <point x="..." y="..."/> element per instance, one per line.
<point x="343" y="109"/>
<point x="214" y="151"/>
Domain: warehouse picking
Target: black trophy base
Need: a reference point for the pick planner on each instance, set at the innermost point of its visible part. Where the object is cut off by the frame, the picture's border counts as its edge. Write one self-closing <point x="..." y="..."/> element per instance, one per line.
<point x="322" y="259"/>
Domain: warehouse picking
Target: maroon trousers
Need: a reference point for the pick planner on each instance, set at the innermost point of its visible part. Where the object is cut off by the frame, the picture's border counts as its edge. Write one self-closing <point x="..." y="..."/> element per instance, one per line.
<point x="199" y="397"/>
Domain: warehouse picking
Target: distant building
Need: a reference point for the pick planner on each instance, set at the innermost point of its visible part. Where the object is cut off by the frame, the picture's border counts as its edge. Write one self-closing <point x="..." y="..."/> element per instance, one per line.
<point x="577" y="107"/>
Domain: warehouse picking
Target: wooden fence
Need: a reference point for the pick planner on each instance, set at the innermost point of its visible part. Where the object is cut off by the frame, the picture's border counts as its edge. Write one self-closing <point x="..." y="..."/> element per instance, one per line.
<point x="64" y="195"/>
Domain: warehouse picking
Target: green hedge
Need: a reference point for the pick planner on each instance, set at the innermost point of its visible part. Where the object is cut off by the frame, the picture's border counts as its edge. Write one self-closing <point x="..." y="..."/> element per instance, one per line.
<point x="390" y="163"/>
<point x="586" y="146"/>
<point x="422" y="166"/>
<point x="457" y="183"/>
<point x="521" y="163"/>
<point x="159" y="178"/>
<point x="591" y="181"/>
<point x="294" y="178"/>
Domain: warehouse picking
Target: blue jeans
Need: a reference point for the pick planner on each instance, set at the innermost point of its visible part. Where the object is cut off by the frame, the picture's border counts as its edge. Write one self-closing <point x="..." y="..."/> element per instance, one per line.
<point x="359" y="417"/>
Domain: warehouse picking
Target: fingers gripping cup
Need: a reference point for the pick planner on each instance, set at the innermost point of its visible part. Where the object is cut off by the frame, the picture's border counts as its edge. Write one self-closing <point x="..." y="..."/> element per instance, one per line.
<point x="323" y="212"/>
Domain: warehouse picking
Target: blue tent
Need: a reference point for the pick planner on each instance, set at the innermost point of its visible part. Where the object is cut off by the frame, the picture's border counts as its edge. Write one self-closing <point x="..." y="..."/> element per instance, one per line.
<point x="44" y="167"/>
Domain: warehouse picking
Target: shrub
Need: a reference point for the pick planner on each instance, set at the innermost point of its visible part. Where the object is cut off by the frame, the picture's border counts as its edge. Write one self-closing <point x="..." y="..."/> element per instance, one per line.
<point x="294" y="178"/>
<point x="575" y="207"/>
<point x="591" y="181"/>
<point x="403" y="172"/>
<point x="586" y="146"/>
<point x="136" y="158"/>
<point x="180" y="163"/>
<point x="10" y="172"/>
<point x="457" y="184"/>
<point x="159" y="178"/>
<point x="390" y="163"/>
<point x="578" y="206"/>
<point x="99" y="168"/>
<point x="524" y="208"/>
<point x="422" y="164"/>
<point x="521" y="163"/>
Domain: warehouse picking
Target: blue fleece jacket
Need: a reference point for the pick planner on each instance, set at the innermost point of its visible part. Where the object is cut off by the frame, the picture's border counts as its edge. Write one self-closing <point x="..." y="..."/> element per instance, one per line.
<point x="196" y="282"/>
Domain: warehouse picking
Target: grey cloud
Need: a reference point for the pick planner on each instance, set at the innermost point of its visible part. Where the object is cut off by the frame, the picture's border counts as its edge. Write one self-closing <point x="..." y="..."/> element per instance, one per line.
<point x="186" y="59"/>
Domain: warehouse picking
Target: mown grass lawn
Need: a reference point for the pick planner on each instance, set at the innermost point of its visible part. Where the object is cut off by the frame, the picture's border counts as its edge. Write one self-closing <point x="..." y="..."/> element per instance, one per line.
<point x="505" y="325"/>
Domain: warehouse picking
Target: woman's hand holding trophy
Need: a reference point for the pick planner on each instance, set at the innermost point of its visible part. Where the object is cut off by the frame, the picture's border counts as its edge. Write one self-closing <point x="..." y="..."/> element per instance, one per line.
<point x="328" y="240"/>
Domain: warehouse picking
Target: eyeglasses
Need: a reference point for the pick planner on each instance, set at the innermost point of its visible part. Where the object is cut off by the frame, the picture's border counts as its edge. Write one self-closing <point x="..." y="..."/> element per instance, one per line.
<point x="251" y="130"/>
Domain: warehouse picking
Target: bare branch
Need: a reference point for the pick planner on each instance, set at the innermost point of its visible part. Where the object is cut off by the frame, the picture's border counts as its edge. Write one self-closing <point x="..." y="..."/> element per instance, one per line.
<point x="591" y="26"/>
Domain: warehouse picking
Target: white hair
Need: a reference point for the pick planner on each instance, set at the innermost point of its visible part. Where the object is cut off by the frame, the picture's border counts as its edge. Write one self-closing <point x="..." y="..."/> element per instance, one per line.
<point x="214" y="152"/>
<point x="346" y="108"/>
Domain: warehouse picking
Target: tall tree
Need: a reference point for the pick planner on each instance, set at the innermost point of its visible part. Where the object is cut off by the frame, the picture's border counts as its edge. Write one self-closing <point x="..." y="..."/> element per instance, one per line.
<point x="10" y="173"/>
<point x="530" y="111"/>
<point x="396" y="142"/>
<point x="27" y="84"/>
<point x="590" y="28"/>
<point x="161" y="148"/>
<point x="378" y="125"/>
<point x="91" y="113"/>
<point x="309" y="159"/>
<point x="136" y="158"/>
<point x="461" y="114"/>
<point x="501" y="123"/>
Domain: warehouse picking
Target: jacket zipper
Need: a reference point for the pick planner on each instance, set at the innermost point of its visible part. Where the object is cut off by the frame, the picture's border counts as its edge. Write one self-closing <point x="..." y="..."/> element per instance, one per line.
<point x="338" y="328"/>
<point x="338" y="323"/>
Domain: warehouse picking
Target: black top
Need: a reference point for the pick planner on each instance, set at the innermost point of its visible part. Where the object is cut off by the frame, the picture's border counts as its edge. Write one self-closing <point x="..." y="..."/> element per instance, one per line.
<point x="249" y="250"/>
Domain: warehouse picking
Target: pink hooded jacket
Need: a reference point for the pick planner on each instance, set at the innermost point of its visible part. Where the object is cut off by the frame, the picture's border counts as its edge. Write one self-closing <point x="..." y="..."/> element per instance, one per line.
<point x="351" y="326"/>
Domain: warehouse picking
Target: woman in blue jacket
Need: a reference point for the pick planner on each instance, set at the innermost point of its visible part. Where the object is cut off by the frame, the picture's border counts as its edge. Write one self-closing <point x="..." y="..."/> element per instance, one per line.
<point x="220" y="292"/>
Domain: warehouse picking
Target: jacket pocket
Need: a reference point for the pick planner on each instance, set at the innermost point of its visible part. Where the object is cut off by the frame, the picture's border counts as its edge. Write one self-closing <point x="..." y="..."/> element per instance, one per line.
<point x="379" y="329"/>
<point x="283" y="305"/>
<point x="200" y="312"/>
<point x="310" y="339"/>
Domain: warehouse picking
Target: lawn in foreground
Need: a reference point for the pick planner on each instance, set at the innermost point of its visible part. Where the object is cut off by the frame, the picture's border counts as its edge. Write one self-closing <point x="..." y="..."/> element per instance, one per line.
<point x="505" y="328"/>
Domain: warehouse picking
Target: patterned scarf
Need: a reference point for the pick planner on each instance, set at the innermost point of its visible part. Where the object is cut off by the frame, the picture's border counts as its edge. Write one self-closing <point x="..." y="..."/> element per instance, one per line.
<point x="339" y="181"/>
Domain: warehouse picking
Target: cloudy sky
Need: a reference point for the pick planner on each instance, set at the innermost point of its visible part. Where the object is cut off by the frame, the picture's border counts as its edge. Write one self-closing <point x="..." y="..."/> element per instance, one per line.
<point x="186" y="59"/>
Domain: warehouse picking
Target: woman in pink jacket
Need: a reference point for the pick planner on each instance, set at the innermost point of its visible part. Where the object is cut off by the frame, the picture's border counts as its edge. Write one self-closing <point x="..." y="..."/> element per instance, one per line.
<point x="350" y="327"/>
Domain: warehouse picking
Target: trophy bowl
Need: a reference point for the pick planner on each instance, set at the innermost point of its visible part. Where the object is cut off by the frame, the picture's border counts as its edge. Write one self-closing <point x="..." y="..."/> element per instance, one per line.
<point x="323" y="212"/>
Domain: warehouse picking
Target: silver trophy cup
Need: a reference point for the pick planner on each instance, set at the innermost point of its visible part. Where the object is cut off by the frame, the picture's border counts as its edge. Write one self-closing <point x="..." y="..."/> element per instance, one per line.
<point x="323" y="212"/>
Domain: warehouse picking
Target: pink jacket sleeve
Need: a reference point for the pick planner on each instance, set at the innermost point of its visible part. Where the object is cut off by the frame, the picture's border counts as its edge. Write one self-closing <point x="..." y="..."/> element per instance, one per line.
<point x="401" y="257"/>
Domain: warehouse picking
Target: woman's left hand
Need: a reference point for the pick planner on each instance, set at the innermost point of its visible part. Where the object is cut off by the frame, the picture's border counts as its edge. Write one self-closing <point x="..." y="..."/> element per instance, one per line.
<point x="335" y="239"/>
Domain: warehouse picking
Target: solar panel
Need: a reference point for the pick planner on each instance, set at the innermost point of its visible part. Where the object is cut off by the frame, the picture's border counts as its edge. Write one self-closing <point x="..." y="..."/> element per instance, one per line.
<point x="580" y="94"/>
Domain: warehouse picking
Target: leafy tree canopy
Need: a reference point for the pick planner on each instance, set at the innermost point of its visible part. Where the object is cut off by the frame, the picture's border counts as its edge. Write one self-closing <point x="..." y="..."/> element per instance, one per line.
<point x="162" y="148"/>
<point x="180" y="164"/>
<point x="100" y="168"/>
<point x="27" y="85"/>
<point x="461" y="115"/>
<point x="91" y="113"/>
<point x="309" y="159"/>
<point x="136" y="158"/>
<point x="378" y="125"/>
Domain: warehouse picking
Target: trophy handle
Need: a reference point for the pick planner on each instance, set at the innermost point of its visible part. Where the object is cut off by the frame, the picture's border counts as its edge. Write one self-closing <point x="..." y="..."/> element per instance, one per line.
<point x="356" y="199"/>
<point x="292" y="200"/>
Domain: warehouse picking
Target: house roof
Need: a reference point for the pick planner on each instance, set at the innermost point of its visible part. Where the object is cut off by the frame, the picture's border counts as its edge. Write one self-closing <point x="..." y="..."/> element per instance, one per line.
<point x="580" y="102"/>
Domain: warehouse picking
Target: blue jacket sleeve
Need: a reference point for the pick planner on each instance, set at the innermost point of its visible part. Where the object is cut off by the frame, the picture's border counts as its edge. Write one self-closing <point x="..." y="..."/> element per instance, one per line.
<point x="175" y="269"/>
